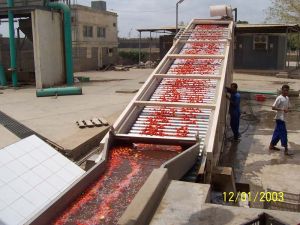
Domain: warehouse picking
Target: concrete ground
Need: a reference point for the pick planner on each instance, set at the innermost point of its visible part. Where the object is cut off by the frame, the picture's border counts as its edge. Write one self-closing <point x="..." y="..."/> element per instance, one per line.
<point x="55" y="117"/>
<point x="251" y="159"/>
<point x="186" y="204"/>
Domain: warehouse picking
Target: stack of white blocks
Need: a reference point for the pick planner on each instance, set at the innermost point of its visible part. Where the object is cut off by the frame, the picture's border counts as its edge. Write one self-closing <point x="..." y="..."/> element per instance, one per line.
<point x="32" y="174"/>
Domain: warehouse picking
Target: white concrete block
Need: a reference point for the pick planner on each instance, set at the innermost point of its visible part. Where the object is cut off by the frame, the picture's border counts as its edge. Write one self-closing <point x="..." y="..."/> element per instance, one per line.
<point x="8" y="195"/>
<point x="9" y="216"/>
<point x="5" y="157"/>
<point x="20" y="186"/>
<point x="31" y="178"/>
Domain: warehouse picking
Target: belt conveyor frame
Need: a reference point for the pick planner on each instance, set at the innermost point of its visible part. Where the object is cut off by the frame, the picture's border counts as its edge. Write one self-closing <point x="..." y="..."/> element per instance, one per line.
<point x="214" y="135"/>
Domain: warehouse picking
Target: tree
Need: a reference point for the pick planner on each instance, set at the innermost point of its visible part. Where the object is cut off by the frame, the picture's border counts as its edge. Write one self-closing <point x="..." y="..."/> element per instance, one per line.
<point x="284" y="11"/>
<point x="242" y="22"/>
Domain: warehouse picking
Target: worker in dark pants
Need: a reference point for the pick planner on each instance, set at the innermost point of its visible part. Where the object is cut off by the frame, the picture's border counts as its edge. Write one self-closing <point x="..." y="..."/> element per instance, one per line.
<point x="234" y="110"/>
<point x="281" y="105"/>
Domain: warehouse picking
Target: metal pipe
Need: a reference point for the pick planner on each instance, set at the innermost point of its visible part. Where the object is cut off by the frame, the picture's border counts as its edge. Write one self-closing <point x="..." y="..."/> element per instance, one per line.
<point x="176" y="18"/>
<point x="171" y="126"/>
<point x="180" y="1"/>
<point x="58" y="91"/>
<point x="150" y="47"/>
<point x="67" y="38"/>
<point x="190" y="134"/>
<point x="170" y="129"/>
<point x="2" y="76"/>
<point x="179" y="117"/>
<point x="235" y="14"/>
<point x="182" y="97"/>
<point x="186" y="91"/>
<point x="12" y="45"/>
<point x="174" y="123"/>
<point x="158" y="108"/>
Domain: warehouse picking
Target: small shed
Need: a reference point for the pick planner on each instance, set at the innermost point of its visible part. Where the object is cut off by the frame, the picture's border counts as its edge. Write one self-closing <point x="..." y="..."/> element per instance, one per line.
<point x="264" y="46"/>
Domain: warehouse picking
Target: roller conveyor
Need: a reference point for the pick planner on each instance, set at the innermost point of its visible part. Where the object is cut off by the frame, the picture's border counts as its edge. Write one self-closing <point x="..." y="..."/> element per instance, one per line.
<point x="160" y="108"/>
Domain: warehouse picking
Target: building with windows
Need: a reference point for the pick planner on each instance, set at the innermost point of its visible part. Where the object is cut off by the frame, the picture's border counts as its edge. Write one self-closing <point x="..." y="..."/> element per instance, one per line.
<point x="94" y="36"/>
<point x="265" y="47"/>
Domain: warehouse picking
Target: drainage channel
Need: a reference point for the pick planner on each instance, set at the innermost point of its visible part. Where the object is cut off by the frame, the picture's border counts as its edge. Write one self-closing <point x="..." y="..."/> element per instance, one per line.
<point x="15" y="127"/>
<point x="127" y="169"/>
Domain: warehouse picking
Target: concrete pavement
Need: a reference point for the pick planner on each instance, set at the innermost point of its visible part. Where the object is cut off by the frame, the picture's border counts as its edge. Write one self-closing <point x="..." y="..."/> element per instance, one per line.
<point x="251" y="159"/>
<point x="55" y="117"/>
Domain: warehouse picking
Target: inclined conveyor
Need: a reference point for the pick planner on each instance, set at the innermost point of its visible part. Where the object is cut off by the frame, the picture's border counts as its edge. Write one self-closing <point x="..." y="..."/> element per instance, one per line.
<point x="182" y="104"/>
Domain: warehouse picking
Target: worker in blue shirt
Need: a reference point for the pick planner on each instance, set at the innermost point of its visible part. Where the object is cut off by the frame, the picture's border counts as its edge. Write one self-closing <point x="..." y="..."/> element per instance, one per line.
<point x="234" y="109"/>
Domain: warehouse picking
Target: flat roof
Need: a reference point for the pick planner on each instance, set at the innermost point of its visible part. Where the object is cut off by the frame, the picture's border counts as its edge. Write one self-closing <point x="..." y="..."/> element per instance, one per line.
<point x="91" y="9"/>
<point x="240" y="28"/>
<point x="267" y="28"/>
<point x="158" y="29"/>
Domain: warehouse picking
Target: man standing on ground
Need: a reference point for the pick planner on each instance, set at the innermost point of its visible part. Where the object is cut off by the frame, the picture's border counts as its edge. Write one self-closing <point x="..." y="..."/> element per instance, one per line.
<point x="281" y="105"/>
<point x="234" y="110"/>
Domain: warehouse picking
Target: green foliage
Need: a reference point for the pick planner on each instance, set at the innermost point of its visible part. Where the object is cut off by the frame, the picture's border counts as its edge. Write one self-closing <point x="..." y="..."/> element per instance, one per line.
<point x="293" y="42"/>
<point x="132" y="55"/>
<point x="284" y="11"/>
<point x="242" y="22"/>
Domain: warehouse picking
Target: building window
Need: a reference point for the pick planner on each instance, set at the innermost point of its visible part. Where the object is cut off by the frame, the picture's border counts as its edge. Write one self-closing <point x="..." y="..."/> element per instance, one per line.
<point x="101" y="32"/>
<point x="114" y="24"/>
<point x="110" y="52"/>
<point x="260" y="42"/>
<point x="87" y="31"/>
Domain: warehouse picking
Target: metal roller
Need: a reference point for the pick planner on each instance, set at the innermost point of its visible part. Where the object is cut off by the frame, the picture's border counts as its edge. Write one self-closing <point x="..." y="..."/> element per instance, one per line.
<point x="169" y="133"/>
<point x="203" y="124"/>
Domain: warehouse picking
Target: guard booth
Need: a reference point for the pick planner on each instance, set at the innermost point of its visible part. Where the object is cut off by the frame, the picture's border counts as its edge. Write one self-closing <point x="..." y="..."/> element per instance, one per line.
<point x="264" y="47"/>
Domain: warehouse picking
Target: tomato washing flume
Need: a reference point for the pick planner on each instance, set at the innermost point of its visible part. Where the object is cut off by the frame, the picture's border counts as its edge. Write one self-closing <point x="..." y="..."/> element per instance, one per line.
<point x="128" y="168"/>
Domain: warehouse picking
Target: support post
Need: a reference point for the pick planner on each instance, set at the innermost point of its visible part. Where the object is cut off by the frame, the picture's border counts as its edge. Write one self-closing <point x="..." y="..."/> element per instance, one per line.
<point x="2" y="76"/>
<point x="298" y="50"/>
<point x="140" y="37"/>
<point x="150" y="49"/>
<point x="176" y="18"/>
<point x="2" y="73"/>
<point x="12" y="45"/>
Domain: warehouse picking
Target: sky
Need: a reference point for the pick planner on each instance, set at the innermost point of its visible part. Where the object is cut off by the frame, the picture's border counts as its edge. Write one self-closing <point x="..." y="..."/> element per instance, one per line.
<point x="137" y="14"/>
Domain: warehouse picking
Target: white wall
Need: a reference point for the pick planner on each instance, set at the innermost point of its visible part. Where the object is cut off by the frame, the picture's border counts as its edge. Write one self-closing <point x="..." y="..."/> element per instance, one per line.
<point x="47" y="30"/>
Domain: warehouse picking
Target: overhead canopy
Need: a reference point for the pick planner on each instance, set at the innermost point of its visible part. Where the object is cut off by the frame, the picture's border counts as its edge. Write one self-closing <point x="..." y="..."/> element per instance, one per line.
<point x="267" y="28"/>
<point x="160" y="29"/>
<point x="240" y="28"/>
